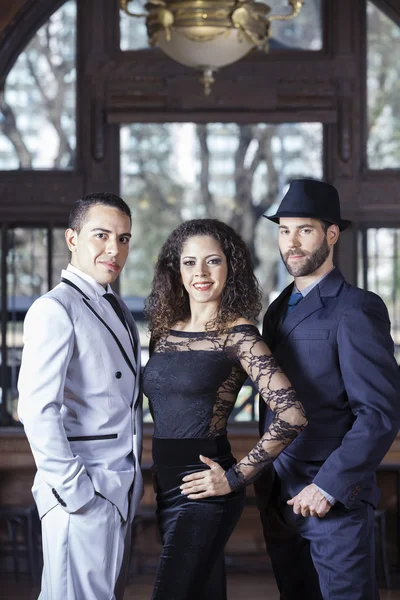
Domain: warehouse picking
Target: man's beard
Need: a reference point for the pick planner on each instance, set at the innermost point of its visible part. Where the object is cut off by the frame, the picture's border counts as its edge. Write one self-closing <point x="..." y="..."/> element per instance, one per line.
<point x="312" y="261"/>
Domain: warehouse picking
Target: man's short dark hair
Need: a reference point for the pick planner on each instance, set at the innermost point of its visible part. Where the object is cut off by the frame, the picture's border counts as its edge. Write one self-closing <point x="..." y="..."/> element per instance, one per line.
<point x="78" y="213"/>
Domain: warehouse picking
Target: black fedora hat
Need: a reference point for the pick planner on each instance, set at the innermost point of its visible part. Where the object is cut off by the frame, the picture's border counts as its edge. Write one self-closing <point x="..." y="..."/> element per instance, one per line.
<point x="311" y="198"/>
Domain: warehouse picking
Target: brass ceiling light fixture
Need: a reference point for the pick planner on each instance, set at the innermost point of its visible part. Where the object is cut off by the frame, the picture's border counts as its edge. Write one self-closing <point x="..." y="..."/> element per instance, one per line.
<point x="209" y="34"/>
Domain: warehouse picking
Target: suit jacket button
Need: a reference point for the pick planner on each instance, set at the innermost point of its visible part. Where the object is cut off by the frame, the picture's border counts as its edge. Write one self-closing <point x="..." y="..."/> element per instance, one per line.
<point x="118" y="374"/>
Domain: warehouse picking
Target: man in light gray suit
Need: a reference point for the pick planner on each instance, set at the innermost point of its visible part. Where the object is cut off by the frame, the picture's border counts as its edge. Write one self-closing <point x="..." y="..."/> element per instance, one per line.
<point x="80" y="404"/>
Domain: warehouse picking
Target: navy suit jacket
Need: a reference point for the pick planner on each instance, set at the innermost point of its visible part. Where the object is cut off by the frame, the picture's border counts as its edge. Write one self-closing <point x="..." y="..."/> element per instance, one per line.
<point x="335" y="347"/>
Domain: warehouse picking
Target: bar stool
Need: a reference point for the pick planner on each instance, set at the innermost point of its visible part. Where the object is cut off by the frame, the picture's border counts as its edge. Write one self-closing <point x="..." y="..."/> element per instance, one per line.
<point x="23" y="519"/>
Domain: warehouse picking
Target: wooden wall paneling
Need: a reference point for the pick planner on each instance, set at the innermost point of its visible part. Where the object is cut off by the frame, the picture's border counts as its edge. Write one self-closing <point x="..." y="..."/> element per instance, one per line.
<point x="143" y="83"/>
<point x="38" y="196"/>
<point x="136" y="116"/>
<point x="344" y="139"/>
<point x="343" y="144"/>
<point x="17" y="468"/>
<point x="98" y="24"/>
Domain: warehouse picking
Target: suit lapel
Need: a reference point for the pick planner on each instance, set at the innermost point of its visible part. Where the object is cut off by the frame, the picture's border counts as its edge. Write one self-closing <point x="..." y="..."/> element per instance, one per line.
<point x="309" y="305"/>
<point x="113" y="334"/>
<point x="132" y="330"/>
<point x="124" y="334"/>
<point x="108" y="318"/>
<point x="137" y="392"/>
<point x="329" y="287"/>
<point x="273" y="318"/>
<point x="281" y="308"/>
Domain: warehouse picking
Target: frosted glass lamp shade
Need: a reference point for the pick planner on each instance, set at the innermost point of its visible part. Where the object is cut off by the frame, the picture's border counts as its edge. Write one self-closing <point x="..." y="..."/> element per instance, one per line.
<point x="212" y="47"/>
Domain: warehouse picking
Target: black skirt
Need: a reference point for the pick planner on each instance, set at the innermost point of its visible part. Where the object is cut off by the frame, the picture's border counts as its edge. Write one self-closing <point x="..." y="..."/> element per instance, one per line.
<point x="194" y="532"/>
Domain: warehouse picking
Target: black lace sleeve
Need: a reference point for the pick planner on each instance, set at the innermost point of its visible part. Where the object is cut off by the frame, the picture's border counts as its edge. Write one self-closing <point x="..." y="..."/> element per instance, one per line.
<point x="249" y="349"/>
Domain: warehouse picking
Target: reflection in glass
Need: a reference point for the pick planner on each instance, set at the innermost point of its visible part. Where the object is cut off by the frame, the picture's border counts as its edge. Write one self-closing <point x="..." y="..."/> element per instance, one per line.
<point x="303" y="33"/>
<point x="383" y="91"/>
<point x="37" y="110"/>
<point x="379" y="271"/>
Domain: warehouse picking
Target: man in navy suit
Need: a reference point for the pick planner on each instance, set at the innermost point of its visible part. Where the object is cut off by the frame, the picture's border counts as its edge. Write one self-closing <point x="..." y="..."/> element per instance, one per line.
<point x="333" y="342"/>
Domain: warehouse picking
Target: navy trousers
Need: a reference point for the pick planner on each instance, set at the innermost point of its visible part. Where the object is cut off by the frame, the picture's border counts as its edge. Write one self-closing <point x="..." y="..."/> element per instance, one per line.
<point x="332" y="558"/>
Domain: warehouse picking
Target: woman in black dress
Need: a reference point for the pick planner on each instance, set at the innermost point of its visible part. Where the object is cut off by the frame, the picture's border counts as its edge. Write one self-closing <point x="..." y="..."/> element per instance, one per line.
<point x="203" y="347"/>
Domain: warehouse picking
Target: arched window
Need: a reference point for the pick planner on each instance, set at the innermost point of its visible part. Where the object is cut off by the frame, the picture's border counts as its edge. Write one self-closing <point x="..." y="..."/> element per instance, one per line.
<point x="38" y="104"/>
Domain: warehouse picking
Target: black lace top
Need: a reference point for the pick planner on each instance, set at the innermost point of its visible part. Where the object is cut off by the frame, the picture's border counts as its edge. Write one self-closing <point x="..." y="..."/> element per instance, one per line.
<point x="192" y="381"/>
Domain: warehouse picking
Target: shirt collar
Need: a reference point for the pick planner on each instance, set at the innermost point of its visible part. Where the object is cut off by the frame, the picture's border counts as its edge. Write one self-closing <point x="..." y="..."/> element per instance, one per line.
<point x="97" y="287"/>
<point x="312" y="285"/>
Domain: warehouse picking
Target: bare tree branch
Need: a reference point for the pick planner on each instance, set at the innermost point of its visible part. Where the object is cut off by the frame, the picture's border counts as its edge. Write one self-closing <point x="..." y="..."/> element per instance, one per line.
<point x="208" y="201"/>
<point x="272" y="173"/>
<point x="8" y="126"/>
<point x="53" y="105"/>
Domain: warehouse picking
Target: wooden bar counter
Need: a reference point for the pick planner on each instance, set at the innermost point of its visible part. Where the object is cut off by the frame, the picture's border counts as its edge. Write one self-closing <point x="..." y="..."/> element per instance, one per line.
<point x="17" y="470"/>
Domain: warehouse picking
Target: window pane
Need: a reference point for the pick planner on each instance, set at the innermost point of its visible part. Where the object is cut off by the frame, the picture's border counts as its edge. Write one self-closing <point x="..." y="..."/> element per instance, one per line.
<point x="383" y="91"/>
<point x="379" y="271"/>
<point x="133" y="33"/>
<point x="27" y="278"/>
<point x="176" y="171"/>
<point x="37" y="111"/>
<point x="302" y="33"/>
<point x="27" y="266"/>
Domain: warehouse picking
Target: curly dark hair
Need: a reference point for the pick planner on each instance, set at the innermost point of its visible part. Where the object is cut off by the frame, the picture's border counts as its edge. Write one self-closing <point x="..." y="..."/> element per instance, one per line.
<point x="168" y="302"/>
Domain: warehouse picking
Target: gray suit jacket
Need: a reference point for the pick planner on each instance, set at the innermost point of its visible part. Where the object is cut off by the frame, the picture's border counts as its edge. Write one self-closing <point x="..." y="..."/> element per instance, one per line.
<point x="80" y="398"/>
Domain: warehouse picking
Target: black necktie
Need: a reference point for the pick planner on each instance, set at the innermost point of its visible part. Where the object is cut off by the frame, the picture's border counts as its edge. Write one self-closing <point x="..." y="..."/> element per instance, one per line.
<point x="293" y="302"/>
<point x="116" y="306"/>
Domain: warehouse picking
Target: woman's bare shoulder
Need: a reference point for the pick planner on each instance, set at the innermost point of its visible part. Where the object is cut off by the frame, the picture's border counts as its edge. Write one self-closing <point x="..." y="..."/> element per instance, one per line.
<point x="242" y="321"/>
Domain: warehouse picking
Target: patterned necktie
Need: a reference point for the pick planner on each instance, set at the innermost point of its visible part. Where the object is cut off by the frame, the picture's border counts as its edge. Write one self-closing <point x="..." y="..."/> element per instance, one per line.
<point x="117" y="308"/>
<point x="293" y="302"/>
